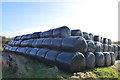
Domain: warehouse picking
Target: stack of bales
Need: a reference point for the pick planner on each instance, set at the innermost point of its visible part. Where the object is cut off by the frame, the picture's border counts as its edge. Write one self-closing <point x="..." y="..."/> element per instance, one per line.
<point x="69" y="50"/>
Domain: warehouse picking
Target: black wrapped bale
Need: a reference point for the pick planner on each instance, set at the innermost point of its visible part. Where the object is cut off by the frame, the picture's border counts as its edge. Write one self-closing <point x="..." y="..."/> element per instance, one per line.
<point x="101" y="44"/>
<point x="116" y="55"/>
<point x="99" y="59"/>
<point x="71" y="61"/>
<point x="91" y="36"/>
<point x="74" y="43"/>
<point x="18" y="37"/>
<point x="56" y="43"/>
<point x="24" y="43"/>
<point x="112" y="54"/>
<point x="28" y="51"/>
<point x="61" y="32"/>
<point x="47" y="42"/>
<point x="39" y="42"/>
<point x="14" y="49"/>
<point x="36" y="35"/>
<point x="119" y="55"/>
<point x="29" y="36"/>
<point x="50" y="58"/>
<point x="18" y="43"/>
<point x="76" y="32"/>
<point x="23" y="50"/>
<point x="107" y="58"/>
<point x="109" y="42"/>
<point x="115" y="48"/>
<point x="105" y="48"/>
<point x="97" y="38"/>
<point x="49" y="33"/>
<point x="118" y="47"/>
<point x="34" y="43"/>
<point x="33" y="52"/>
<point x="105" y="41"/>
<point x="98" y="46"/>
<point x="109" y="48"/>
<point x="29" y="42"/>
<point x="41" y="54"/>
<point x="91" y="46"/>
<point x="86" y="35"/>
<point x="90" y="60"/>
<point x="101" y="39"/>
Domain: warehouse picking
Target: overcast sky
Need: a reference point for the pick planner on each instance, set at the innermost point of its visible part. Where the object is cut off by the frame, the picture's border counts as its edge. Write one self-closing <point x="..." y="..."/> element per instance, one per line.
<point x="99" y="17"/>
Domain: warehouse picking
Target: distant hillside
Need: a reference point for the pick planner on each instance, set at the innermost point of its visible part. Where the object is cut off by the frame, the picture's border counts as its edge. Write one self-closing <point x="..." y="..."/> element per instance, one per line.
<point x="116" y="42"/>
<point x="4" y="40"/>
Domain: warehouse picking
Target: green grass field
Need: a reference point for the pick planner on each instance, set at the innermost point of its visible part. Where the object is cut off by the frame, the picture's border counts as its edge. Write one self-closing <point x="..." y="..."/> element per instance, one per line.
<point x="31" y="68"/>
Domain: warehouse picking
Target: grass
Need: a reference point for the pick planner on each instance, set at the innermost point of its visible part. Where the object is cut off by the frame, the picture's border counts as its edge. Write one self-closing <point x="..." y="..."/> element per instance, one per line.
<point x="31" y="68"/>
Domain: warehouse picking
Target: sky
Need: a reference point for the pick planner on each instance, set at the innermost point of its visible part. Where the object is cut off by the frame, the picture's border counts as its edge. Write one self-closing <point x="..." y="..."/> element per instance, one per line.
<point x="99" y="17"/>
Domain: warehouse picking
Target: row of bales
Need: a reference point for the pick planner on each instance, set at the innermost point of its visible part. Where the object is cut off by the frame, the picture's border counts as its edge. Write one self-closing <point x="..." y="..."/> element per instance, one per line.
<point x="69" y="50"/>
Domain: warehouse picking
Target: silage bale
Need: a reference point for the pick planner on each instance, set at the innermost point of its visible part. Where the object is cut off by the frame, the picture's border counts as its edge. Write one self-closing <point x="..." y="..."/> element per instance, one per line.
<point x="112" y="58"/>
<point x="38" y="43"/>
<point x="56" y="43"/>
<point x="116" y="55"/>
<point x="50" y="58"/>
<point x="99" y="59"/>
<point x="33" y="52"/>
<point x="105" y="48"/>
<point x="91" y="46"/>
<point x="41" y="54"/>
<point x="91" y="36"/>
<point x="98" y="46"/>
<point x="96" y="38"/>
<point x="90" y="60"/>
<point x="107" y="58"/>
<point x="74" y="43"/>
<point x="105" y="41"/>
<point x="47" y="42"/>
<point x="49" y="33"/>
<point x="119" y="55"/>
<point x="86" y="35"/>
<point x="109" y="42"/>
<point x="63" y="31"/>
<point x="109" y="48"/>
<point x="71" y="61"/>
<point x="76" y="32"/>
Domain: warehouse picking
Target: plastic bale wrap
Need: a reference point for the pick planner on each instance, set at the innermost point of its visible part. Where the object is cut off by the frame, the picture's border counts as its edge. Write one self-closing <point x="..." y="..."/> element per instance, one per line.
<point x="105" y="41"/>
<point x="118" y="47"/>
<point x="91" y="46"/>
<point x="99" y="59"/>
<point x="49" y="33"/>
<point x="97" y="38"/>
<point x="86" y="35"/>
<point x="14" y="49"/>
<point x="91" y="36"/>
<point x="50" y="58"/>
<point x="119" y="55"/>
<point x="76" y="32"/>
<point x="101" y="39"/>
<point x="105" y="48"/>
<point x="107" y="58"/>
<point x="98" y="46"/>
<point x="109" y="48"/>
<point x="39" y="42"/>
<point x="28" y="51"/>
<point x="109" y="42"/>
<point x="74" y="43"/>
<point x="33" y="52"/>
<point x="115" y="48"/>
<point x="71" y="61"/>
<point x="116" y="55"/>
<point x="61" y="32"/>
<point x="41" y="54"/>
<point x="112" y="54"/>
<point x="47" y="42"/>
<point x="56" y="43"/>
<point x="29" y="43"/>
<point x="90" y="60"/>
<point x="33" y="44"/>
